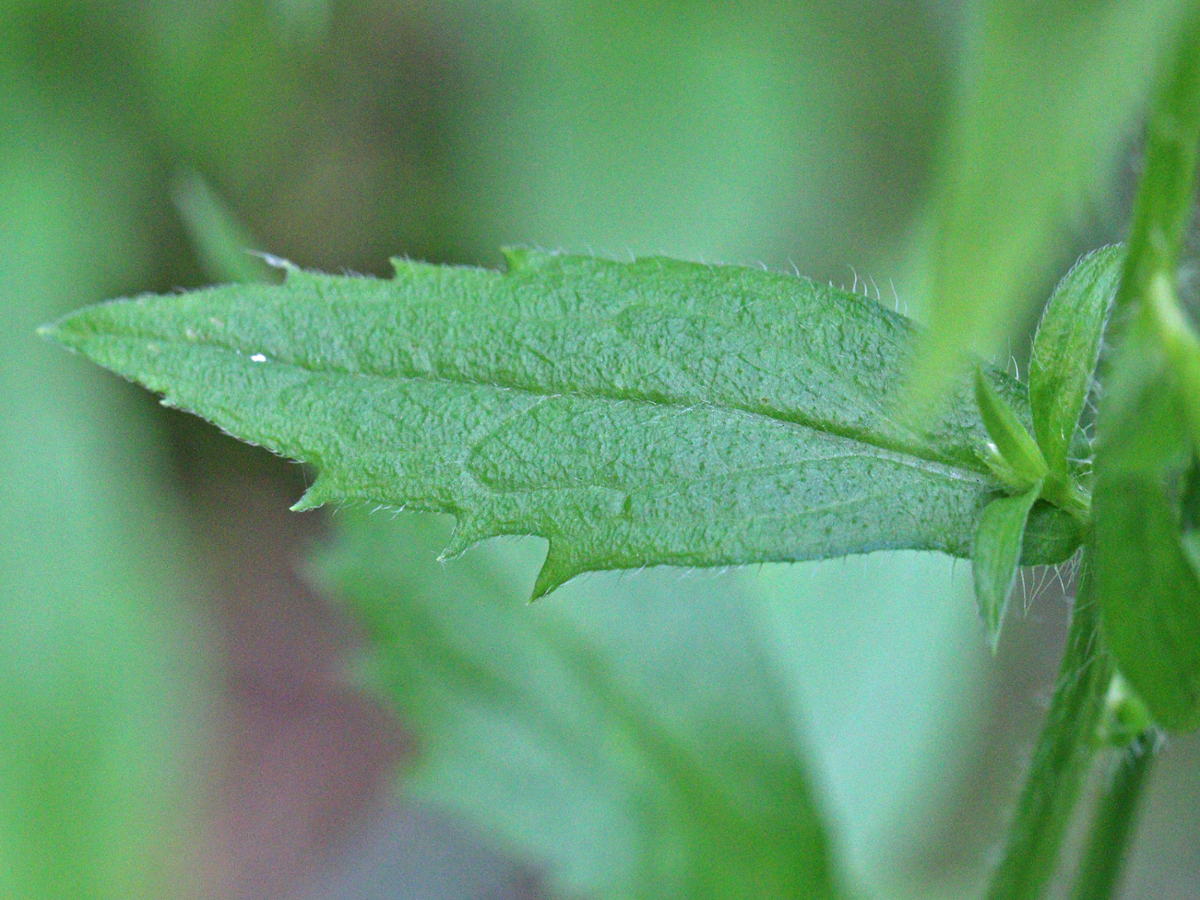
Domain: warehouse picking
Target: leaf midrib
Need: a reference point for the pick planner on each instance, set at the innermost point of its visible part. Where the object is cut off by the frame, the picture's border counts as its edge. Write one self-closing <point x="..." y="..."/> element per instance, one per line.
<point x="904" y="454"/>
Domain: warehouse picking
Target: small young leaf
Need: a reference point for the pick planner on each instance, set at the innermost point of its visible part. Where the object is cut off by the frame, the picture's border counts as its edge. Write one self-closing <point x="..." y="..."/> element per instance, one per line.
<point x="1065" y="351"/>
<point x="1125" y="717"/>
<point x="634" y="414"/>
<point x="997" y="554"/>
<point x="1149" y="596"/>
<point x="1017" y="461"/>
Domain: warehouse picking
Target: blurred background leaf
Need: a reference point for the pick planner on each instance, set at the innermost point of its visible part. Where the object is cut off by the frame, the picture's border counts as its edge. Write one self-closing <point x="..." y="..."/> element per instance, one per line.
<point x="600" y="734"/>
<point x="103" y="709"/>
<point x="1049" y="95"/>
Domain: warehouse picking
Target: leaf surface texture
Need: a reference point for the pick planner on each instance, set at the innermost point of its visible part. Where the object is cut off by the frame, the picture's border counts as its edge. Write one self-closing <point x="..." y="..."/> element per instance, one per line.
<point x="645" y="413"/>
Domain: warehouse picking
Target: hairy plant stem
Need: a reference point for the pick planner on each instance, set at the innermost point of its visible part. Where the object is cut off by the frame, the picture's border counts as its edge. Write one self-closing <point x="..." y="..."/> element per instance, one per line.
<point x="1061" y="760"/>
<point x="1104" y="858"/>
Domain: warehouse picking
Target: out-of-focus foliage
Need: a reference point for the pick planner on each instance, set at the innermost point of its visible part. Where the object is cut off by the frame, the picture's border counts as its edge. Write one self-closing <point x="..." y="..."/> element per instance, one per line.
<point x="220" y="241"/>
<point x="602" y="736"/>
<point x="1048" y="96"/>
<point x="101" y="711"/>
<point x="764" y="132"/>
<point x="1149" y="426"/>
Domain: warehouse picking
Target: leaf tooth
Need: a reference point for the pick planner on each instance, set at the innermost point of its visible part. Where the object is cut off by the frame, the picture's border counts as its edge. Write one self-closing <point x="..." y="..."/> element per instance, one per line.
<point x="517" y="258"/>
<point x="468" y="531"/>
<point x="290" y="269"/>
<point x="322" y="491"/>
<point x="403" y="267"/>
<point x="559" y="568"/>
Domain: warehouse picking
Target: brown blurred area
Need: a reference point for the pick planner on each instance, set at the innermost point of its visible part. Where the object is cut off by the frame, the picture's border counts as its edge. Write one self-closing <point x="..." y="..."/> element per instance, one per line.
<point x="305" y="756"/>
<point x="304" y="798"/>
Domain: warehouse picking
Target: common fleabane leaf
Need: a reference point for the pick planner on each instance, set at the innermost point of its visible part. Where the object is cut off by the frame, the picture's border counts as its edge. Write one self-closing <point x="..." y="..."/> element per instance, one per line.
<point x="1150" y="597"/>
<point x="1065" y="350"/>
<point x="569" y="732"/>
<point x="997" y="554"/>
<point x="1146" y="580"/>
<point x="634" y="414"/>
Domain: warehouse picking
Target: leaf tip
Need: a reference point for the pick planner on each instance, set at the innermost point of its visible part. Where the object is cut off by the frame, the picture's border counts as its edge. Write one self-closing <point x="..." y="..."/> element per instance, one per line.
<point x="70" y="331"/>
<point x="544" y="584"/>
<point x="993" y="605"/>
<point x="993" y="630"/>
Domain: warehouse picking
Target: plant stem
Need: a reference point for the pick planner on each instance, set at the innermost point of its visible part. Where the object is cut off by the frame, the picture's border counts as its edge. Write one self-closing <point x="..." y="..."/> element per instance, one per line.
<point x="1061" y="759"/>
<point x="1104" y="857"/>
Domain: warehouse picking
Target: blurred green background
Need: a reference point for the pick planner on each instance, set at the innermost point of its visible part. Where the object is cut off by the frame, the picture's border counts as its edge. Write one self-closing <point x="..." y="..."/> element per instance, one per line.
<point x="178" y="715"/>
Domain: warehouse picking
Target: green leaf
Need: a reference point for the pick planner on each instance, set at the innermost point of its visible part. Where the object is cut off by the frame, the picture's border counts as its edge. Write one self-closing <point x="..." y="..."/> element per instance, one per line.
<point x="1150" y="597"/>
<point x="1180" y="346"/>
<point x="1145" y="583"/>
<point x="634" y="414"/>
<point x="1016" y="460"/>
<point x="1141" y="425"/>
<point x="1065" y="351"/>
<point x="997" y="554"/>
<point x="1165" y="195"/>
<point x="1050" y="93"/>
<point x="572" y="734"/>
<point x="1149" y="423"/>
